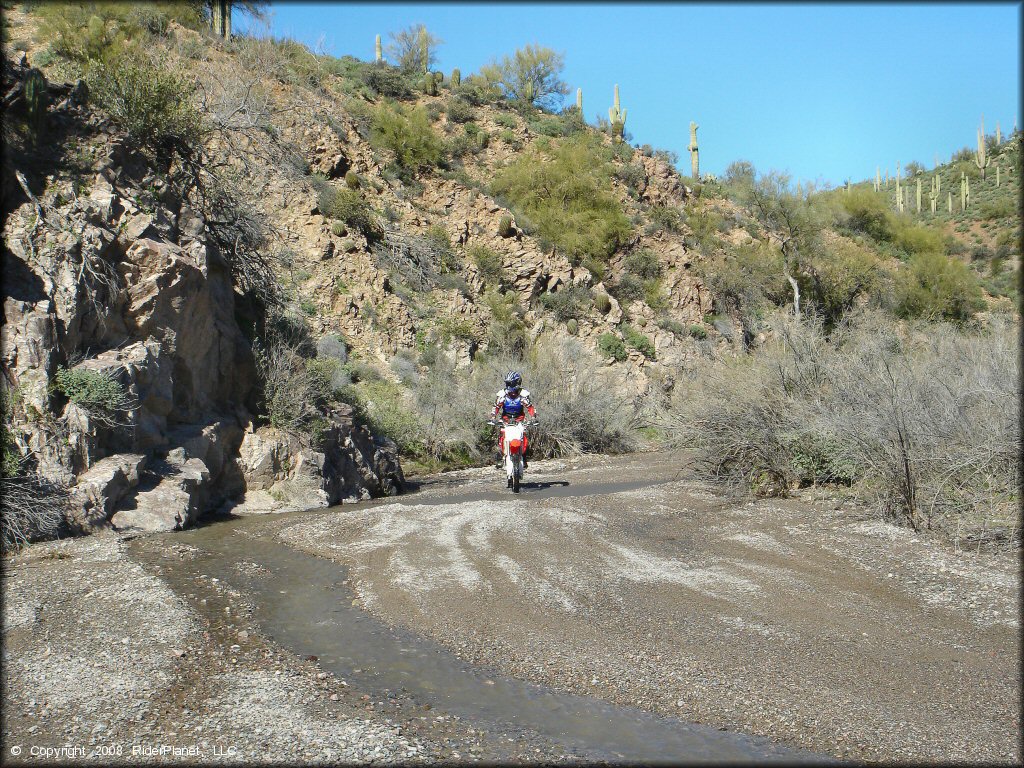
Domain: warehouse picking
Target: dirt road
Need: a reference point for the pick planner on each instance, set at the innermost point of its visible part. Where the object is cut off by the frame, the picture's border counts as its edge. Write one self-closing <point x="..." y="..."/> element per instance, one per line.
<point x="596" y="616"/>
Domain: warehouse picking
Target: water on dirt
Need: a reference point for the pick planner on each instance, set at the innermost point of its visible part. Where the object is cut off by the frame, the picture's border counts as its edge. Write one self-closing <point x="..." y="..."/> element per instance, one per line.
<point x="303" y="604"/>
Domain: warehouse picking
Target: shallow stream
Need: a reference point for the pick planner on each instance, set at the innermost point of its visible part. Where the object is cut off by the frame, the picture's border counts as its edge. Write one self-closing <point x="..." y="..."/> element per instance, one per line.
<point x="304" y="605"/>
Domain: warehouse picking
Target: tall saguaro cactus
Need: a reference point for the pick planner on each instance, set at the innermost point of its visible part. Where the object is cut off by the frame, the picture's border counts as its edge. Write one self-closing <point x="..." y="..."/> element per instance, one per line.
<point x="221" y="18"/>
<point x="378" y="51"/>
<point x="981" y="158"/>
<point x="617" y="117"/>
<point x="36" y="101"/>
<point x="579" y="100"/>
<point x="456" y="77"/>
<point x="999" y="136"/>
<point x="425" y="50"/>
<point x="878" y="179"/>
<point x="899" y="192"/>
<point x="694" y="157"/>
<point x="997" y="175"/>
<point x="949" y="201"/>
<point x="965" y="191"/>
<point x="919" y="195"/>
<point x="933" y="196"/>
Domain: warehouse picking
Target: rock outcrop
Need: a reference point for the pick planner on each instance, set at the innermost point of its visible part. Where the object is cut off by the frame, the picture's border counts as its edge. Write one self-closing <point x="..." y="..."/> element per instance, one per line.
<point x="113" y="274"/>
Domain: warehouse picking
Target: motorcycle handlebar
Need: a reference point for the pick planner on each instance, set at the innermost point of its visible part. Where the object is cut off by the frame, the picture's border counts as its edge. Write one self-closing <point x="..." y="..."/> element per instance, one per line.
<point x="494" y="423"/>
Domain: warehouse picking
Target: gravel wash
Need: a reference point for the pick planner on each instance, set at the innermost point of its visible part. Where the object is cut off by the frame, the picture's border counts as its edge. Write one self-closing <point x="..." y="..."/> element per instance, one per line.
<point x="104" y="662"/>
<point x="805" y="620"/>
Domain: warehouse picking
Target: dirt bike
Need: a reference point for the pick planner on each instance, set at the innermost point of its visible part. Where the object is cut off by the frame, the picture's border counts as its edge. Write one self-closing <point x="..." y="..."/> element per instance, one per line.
<point x="514" y="432"/>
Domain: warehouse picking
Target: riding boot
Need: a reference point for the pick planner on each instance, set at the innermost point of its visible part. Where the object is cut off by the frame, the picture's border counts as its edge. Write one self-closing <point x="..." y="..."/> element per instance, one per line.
<point x="499" y="460"/>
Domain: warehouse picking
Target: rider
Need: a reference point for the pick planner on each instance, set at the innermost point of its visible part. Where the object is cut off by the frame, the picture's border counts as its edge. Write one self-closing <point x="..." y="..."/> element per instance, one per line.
<point x="512" y="402"/>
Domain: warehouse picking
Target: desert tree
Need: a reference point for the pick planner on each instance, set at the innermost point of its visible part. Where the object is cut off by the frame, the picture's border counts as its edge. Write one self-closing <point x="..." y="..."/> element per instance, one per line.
<point x="414" y="49"/>
<point x="532" y="74"/>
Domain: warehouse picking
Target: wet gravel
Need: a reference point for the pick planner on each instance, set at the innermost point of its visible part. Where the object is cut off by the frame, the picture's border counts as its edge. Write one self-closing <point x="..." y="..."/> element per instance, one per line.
<point x="805" y="620"/>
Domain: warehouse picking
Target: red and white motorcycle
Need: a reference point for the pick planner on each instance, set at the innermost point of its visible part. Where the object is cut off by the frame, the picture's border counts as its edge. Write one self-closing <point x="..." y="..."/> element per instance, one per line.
<point x="513" y="443"/>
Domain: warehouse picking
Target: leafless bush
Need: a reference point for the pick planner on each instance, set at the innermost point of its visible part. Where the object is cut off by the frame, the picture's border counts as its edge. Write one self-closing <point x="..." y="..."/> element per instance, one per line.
<point x="293" y="391"/>
<point x="922" y="420"/>
<point x="31" y="508"/>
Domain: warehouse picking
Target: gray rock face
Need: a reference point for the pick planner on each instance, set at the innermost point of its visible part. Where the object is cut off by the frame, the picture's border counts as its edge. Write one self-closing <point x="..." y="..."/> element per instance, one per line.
<point x="282" y="473"/>
<point x="171" y="499"/>
<point x="134" y="290"/>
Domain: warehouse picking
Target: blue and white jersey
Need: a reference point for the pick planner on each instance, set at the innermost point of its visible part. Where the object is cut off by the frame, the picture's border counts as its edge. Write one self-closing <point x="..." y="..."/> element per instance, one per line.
<point x="513" y="407"/>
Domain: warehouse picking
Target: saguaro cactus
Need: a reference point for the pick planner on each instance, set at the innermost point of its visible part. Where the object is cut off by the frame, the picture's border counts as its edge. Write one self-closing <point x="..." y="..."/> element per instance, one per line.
<point x="899" y="192"/>
<point x="429" y="84"/>
<point x="997" y="175"/>
<point x="878" y="178"/>
<point x="425" y="50"/>
<point x="919" y="194"/>
<point x="221" y="18"/>
<point x="999" y="136"/>
<point x="694" y="156"/>
<point x="949" y="201"/>
<point x="579" y="100"/>
<point x="36" y="100"/>
<point x="528" y="92"/>
<point x="456" y="77"/>
<point x="933" y="196"/>
<point x="378" y="51"/>
<point x="617" y="117"/>
<point x="965" y="191"/>
<point x="981" y="158"/>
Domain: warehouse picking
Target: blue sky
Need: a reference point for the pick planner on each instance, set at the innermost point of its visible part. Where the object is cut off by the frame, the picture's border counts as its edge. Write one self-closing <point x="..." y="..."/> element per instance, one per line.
<point x="825" y="92"/>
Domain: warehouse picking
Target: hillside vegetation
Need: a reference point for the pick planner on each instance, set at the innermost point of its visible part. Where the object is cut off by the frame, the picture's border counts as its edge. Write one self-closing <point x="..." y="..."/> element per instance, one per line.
<point x="397" y="238"/>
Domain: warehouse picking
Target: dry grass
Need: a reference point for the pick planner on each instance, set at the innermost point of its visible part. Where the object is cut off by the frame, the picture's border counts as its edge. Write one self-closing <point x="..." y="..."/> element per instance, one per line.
<point x="921" y="420"/>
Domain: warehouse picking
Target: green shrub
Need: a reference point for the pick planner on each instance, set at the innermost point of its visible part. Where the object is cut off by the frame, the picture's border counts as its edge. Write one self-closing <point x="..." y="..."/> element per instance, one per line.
<point x="407" y="134"/>
<point x="665" y="219"/>
<point x="349" y="207"/>
<point x="998" y="209"/>
<point x="506" y="120"/>
<point x="628" y="288"/>
<point x="698" y="332"/>
<point x="440" y="246"/>
<point x="913" y="238"/>
<point x="506" y="336"/>
<point x="602" y="302"/>
<point x="387" y="81"/>
<point x="612" y="347"/>
<point x="509" y="137"/>
<point x="151" y="102"/>
<point x="638" y="341"/>
<point x="632" y="175"/>
<point x="567" y="196"/>
<point x="488" y="263"/>
<point x="96" y="392"/>
<point x="83" y="32"/>
<point x="570" y="302"/>
<point x="841" y="274"/>
<point x="309" y="307"/>
<point x="936" y="287"/>
<point x="459" y="111"/>
<point x="644" y="263"/>
<point x="704" y="224"/>
<point x="380" y="405"/>
<point x="868" y="212"/>
<point x="672" y="326"/>
<point x="654" y="294"/>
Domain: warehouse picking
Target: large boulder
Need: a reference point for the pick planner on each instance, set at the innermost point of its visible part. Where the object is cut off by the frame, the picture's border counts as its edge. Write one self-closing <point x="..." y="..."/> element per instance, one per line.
<point x="282" y="471"/>
<point x="99" y="489"/>
<point x="172" y="496"/>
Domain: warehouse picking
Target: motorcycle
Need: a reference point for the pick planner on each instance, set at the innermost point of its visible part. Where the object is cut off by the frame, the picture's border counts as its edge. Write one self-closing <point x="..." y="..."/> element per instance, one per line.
<point x="514" y="432"/>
